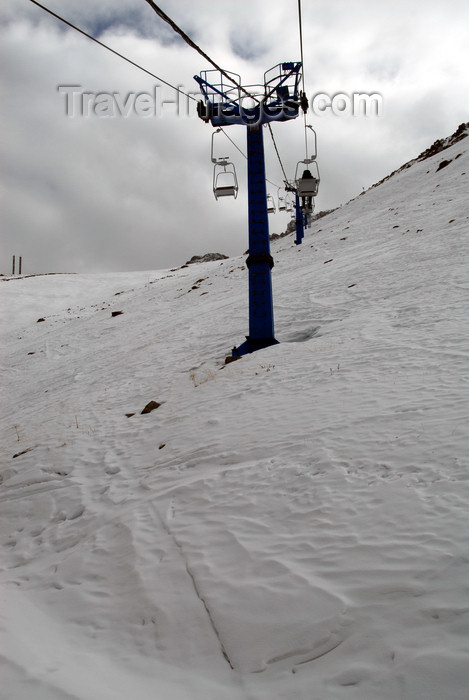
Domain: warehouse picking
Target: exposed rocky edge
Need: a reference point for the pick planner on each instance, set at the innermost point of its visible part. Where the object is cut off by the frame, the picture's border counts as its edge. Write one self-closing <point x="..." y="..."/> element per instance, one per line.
<point x="291" y="226"/>
<point x="320" y="214"/>
<point x="440" y="144"/>
<point x="208" y="257"/>
<point x="436" y="147"/>
<point x="288" y="230"/>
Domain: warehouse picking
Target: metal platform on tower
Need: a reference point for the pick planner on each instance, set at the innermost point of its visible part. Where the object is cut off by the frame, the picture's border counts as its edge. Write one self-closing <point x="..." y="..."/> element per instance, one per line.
<point x="226" y="102"/>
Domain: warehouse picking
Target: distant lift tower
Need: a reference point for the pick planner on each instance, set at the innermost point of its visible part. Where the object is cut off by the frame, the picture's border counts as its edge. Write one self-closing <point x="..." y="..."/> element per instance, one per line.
<point x="226" y="102"/>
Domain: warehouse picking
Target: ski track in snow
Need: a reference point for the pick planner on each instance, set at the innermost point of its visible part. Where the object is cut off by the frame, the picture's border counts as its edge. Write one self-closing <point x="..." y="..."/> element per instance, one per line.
<point x="291" y="525"/>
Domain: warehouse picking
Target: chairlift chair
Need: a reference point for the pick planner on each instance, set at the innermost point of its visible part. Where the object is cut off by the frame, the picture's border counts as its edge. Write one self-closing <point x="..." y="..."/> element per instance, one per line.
<point x="288" y="204"/>
<point x="307" y="184"/>
<point x="281" y="202"/>
<point x="225" y="182"/>
<point x="270" y="204"/>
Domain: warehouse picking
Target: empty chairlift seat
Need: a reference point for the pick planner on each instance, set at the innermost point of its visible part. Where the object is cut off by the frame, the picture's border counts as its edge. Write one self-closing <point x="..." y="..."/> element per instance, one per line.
<point x="225" y="182"/>
<point x="282" y="205"/>
<point x="270" y="204"/>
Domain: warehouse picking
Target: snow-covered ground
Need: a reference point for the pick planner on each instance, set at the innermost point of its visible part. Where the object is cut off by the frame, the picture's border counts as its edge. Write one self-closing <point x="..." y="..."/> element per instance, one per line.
<point x="293" y="525"/>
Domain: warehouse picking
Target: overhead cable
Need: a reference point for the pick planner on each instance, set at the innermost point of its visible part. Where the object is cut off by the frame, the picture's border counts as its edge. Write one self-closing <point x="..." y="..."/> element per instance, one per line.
<point x="300" y="27"/>
<point x="234" y="144"/>
<point x="116" y="53"/>
<point x="193" y="45"/>
<point x="276" y="151"/>
<point x="245" y="156"/>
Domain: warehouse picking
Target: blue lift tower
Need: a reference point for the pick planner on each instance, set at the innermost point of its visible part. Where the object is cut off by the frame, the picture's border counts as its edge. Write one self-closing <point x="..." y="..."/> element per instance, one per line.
<point x="225" y="103"/>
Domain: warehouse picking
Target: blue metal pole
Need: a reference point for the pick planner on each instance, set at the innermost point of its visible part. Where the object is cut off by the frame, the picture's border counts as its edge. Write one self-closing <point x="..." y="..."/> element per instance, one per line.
<point x="300" y="231"/>
<point x="259" y="261"/>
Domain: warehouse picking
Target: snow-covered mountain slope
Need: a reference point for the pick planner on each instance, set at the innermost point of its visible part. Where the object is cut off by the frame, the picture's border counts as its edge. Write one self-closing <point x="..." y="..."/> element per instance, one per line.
<point x="290" y="525"/>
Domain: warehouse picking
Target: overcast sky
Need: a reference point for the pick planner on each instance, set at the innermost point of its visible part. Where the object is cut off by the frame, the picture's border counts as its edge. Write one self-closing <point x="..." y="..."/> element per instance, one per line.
<point x="110" y="193"/>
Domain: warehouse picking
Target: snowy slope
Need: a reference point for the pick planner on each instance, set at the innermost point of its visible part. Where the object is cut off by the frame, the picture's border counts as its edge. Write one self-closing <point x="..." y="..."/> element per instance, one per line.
<point x="291" y="525"/>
